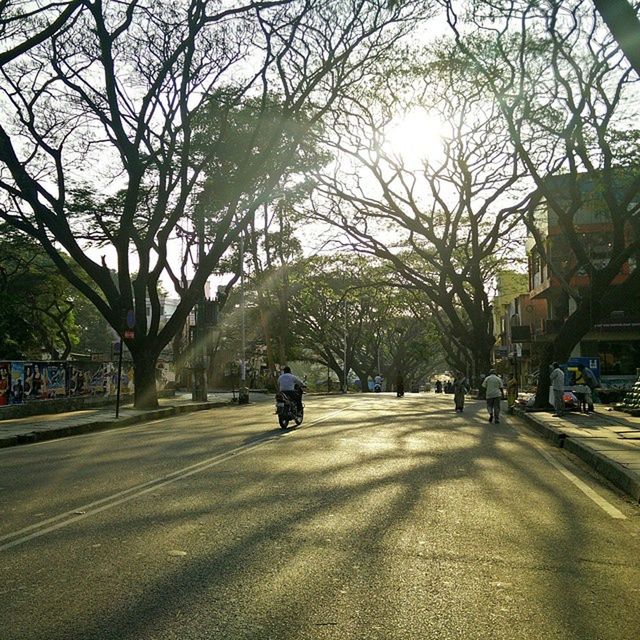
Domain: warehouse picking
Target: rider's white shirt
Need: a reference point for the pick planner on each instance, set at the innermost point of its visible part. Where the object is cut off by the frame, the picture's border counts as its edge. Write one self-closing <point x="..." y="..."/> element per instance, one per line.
<point x="287" y="382"/>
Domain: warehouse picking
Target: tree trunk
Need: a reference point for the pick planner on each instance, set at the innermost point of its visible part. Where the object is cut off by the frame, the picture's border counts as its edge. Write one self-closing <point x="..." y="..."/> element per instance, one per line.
<point x="144" y="367"/>
<point x="572" y="331"/>
<point x="482" y="366"/>
<point x="364" y="387"/>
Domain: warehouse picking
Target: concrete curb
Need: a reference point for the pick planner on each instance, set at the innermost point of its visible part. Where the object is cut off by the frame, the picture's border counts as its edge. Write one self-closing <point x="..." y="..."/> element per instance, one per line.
<point x="102" y="425"/>
<point x="620" y="477"/>
<point x="611" y="470"/>
<point x="555" y="436"/>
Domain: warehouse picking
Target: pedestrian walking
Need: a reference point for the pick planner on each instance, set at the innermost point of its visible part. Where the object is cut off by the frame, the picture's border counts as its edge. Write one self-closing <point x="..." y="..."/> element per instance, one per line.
<point x="557" y="387"/>
<point x="460" y="389"/>
<point x="494" y="392"/>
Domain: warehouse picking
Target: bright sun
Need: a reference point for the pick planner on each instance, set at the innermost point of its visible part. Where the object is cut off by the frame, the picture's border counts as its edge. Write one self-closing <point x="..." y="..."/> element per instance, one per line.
<point x="414" y="137"/>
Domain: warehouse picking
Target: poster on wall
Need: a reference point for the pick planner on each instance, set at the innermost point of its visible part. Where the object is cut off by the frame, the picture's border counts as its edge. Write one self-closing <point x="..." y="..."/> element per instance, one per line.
<point x="99" y="380"/>
<point x="5" y="383"/>
<point x="77" y="376"/>
<point x="55" y="379"/>
<point x="16" y="378"/>
<point x="35" y="383"/>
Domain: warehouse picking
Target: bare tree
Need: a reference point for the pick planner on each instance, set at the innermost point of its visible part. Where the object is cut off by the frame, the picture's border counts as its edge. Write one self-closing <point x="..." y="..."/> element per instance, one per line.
<point x="97" y="141"/>
<point x="23" y="28"/>
<point x="568" y="100"/>
<point x="445" y="221"/>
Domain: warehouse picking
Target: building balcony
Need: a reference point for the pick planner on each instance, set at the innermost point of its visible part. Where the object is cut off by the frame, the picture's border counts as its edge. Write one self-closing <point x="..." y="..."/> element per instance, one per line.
<point x="547" y="328"/>
<point x="619" y="320"/>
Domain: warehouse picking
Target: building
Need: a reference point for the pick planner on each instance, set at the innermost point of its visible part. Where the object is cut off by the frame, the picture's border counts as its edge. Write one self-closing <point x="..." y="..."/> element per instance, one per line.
<point x="538" y="315"/>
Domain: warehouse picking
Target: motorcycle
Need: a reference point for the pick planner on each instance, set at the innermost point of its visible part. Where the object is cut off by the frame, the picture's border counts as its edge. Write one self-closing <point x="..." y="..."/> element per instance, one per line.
<point x="287" y="411"/>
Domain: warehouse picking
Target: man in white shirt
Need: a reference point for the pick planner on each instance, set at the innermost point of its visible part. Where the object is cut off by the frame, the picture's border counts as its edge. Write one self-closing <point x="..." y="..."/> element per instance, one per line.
<point x="493" y="384"/>
<point x="287" y="384"/>
<point x="557" y="385"/>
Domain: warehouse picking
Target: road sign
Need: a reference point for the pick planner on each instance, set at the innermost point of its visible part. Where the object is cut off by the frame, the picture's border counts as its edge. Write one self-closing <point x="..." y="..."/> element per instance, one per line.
<point x="131" y="320"/>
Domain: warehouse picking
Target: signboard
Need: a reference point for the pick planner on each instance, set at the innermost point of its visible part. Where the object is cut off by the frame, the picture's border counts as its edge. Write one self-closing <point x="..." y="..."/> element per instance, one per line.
<point x="571" y="368"/>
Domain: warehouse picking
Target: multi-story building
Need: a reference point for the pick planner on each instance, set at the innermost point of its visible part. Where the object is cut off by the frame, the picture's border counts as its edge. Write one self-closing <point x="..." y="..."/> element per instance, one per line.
<point x="615" y="340"/>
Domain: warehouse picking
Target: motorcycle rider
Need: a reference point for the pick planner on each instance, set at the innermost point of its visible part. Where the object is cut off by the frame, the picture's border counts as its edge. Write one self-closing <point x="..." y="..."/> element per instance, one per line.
<point x="291" y="386"/>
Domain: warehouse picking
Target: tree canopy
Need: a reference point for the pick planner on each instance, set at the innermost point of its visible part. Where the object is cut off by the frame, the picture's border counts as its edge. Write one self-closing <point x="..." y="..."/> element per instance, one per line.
<point x="98" y="140"/>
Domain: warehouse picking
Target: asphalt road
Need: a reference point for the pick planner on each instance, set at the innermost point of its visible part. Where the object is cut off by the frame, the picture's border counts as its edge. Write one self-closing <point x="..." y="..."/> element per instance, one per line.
<point x="378" y="518"/>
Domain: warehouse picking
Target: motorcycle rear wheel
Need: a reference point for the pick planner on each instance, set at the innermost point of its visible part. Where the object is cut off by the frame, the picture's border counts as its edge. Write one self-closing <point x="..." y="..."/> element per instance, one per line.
<point x="283" y="421"/>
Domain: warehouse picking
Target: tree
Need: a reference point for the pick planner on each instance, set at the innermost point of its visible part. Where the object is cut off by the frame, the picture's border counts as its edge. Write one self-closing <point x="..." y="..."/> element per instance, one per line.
<point x="622" y="20"/>
<point x="567" y="96"/>
<point x="447" y="220"/>
<point x="272" y="251"/>
<point x="109" y="105"/>
<point x="38" y="304"/>
<point x="93" y="333"/>
<point x="27" y="29"/>
<point x="347" y="306"/>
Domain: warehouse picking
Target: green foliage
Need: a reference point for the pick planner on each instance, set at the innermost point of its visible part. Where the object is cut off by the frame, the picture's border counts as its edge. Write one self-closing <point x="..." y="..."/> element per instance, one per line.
<point x="353" y="297"/>
<point x="41" y="312"/>
<point x="36" y="307"/>
<point x="235" y="137"/>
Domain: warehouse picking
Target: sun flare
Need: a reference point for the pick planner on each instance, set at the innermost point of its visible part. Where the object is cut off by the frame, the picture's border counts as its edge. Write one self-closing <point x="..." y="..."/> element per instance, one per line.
<point x="415" y="137"/>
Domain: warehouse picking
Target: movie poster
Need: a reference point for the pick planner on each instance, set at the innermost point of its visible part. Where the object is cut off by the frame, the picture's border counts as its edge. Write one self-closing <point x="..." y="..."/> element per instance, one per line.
<point x="5" y="383"/>
<point x="16" y="378"/>
<point x="35" y="383"/>
<point x="78" y="376"/>
<point x="100" y="380"/>
<point x="55" y="380"/>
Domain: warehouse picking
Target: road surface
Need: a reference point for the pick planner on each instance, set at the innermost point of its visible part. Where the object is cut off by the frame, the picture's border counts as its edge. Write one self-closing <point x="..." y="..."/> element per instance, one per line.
<point x="378" y="518"/>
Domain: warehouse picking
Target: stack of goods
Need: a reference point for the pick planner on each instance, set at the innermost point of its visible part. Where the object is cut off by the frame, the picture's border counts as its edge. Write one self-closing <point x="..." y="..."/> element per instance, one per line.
<point x="631" y="401"/>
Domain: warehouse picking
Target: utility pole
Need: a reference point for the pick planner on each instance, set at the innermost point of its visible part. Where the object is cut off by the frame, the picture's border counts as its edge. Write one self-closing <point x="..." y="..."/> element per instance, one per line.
<point x="199" y="392"/>
<point x="345" y="346"/>
<point x="243" y="393"/>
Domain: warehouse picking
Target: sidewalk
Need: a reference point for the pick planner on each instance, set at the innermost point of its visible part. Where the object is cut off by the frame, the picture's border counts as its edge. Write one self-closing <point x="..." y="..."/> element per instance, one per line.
<point x="36" y="428"/>
<point x="608" y="441"/>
